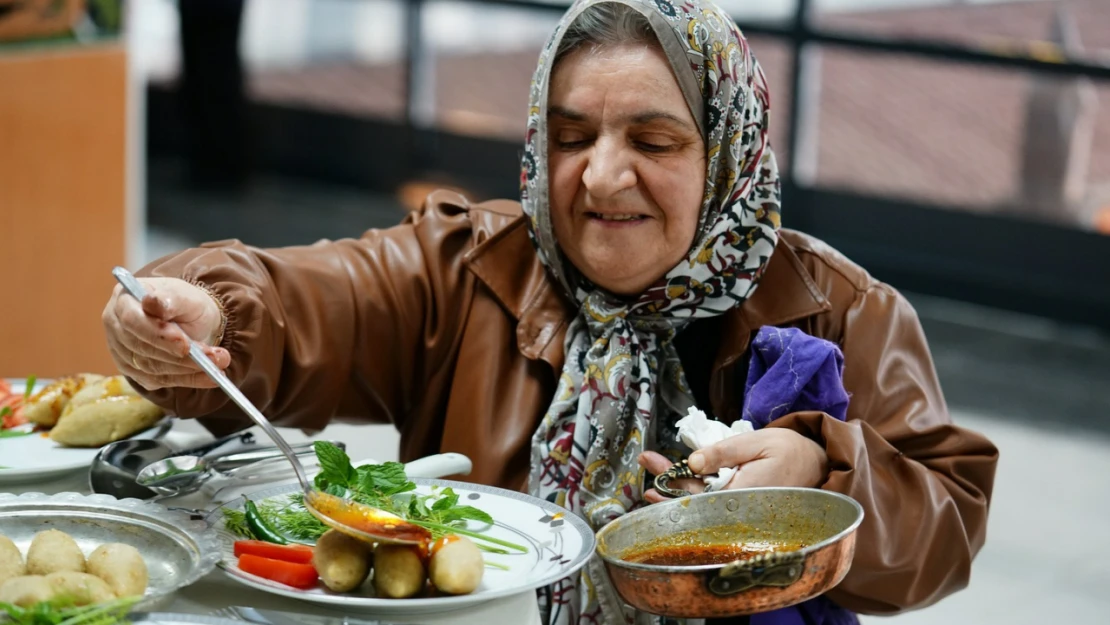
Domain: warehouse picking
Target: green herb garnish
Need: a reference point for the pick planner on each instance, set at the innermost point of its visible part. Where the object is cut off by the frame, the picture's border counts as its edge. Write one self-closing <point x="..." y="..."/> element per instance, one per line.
<point x="14" y="433"/>
<point x="30" y="387"/>
<point x="383" y="486"/>
<point x="61" y="612"/>
<point x="236" y="522"/>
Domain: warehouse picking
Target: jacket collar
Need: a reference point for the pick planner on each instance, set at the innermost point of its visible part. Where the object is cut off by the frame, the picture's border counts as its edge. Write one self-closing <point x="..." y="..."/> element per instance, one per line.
<point x="507" y="264"/>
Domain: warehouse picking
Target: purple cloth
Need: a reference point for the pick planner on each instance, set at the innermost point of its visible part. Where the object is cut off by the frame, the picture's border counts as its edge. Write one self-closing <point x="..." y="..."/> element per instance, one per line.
<point x="791" y="371"/>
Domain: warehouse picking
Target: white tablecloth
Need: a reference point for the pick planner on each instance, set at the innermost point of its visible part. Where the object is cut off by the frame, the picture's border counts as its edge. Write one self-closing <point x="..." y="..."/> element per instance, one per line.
<point x="216" y="590"/>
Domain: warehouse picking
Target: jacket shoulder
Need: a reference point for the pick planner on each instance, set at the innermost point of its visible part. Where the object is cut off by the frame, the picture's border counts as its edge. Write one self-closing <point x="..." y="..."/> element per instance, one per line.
<point x="830" y="268"/>
<point x="486" y="219"/>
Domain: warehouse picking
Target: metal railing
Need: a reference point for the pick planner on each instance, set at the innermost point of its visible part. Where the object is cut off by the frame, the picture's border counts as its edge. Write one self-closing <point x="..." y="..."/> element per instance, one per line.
<point x="801" y="33"/>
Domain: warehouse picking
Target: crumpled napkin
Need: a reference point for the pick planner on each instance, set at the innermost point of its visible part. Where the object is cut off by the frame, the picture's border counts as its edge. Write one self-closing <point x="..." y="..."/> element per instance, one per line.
<point x="696" y="431"/>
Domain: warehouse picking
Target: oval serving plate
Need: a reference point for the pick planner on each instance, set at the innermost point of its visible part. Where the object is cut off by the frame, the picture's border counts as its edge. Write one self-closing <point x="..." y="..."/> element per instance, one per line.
<point x="559" y="543"/>
<point x="177" y="551"/>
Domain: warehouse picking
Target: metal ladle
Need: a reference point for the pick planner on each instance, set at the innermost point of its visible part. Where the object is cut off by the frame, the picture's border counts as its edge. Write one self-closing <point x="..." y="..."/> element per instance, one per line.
<point x="115" y="466"/>
<point x="180" y="475"/>
<point x="352" y="518"/>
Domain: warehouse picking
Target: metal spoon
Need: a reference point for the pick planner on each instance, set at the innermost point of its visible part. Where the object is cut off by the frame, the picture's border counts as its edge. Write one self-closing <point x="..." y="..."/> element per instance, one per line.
<point x="116" y="465"/>
<point x="186" y="474"/>
<point x="352" y="518"/>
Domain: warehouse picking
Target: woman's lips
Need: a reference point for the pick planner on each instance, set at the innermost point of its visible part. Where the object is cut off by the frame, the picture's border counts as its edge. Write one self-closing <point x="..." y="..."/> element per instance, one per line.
<point x="616" y="220"/>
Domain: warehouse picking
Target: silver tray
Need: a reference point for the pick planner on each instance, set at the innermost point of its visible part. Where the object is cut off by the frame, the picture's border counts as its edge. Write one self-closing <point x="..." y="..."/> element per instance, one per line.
<point x="178" y="550"/>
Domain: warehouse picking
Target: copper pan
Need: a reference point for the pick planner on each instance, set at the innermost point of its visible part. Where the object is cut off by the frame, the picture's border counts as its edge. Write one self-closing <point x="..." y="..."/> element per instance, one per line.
<point x="806" y="537"/>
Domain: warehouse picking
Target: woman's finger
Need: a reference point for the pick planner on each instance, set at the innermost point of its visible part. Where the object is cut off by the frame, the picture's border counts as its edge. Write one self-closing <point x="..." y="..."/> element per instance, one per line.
<point x="159" y="334"/>
<point x="731" y="452"/>
<point x="763" y="472"/>
<point x="158" y="361"/>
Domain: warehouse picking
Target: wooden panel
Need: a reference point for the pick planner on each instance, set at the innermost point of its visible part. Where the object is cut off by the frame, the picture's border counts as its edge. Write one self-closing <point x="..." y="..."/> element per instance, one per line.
<point x="62" y="205"/>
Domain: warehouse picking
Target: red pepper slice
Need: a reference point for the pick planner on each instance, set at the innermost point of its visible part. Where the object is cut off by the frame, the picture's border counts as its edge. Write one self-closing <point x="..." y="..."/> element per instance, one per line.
<point x="301" y="554"/>
<point x="302" y="576"/>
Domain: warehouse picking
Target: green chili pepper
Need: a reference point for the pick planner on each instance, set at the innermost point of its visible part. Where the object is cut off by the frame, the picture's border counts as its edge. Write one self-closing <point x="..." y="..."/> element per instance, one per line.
<point x="262" y="529"/>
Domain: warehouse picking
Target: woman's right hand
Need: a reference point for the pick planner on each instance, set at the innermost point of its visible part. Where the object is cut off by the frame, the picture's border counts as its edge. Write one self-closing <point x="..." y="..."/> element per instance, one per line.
<point x="148" y="348"/>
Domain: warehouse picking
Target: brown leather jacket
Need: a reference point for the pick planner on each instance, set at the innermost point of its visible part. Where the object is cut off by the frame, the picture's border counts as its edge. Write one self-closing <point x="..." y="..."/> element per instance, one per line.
<point x="448" y="327"/>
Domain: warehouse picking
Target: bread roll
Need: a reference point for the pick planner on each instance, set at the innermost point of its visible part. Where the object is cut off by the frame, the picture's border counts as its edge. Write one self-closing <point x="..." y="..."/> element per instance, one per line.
<point x="342" y="562"/>
<point x="398" y="571"/>
<point x="26" y="591"/>
<point x="456" y="566"/>
<point x="80" y="588"/>
<point x="122" y="567"/>
<point x="11" y="561"/>
<point x="54" y="551"/>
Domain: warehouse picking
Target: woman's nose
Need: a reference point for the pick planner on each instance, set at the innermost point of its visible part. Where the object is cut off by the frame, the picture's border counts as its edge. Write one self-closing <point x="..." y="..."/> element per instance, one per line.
<point x="609" y="170"/>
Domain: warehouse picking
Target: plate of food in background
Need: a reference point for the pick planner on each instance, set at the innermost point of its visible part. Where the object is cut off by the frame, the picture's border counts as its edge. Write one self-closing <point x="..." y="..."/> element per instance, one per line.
<point x="52" y="427"/>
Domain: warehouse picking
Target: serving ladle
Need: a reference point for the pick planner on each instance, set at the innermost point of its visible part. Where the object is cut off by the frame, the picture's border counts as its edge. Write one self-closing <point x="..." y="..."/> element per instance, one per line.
<point x="116" y="465"/>
<point x="355" y="519"/>
<point x="179" y="475"/>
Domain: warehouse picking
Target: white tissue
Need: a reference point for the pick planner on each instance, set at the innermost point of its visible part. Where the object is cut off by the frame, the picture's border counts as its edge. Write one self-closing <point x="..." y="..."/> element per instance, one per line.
<point x="696" y="431"/>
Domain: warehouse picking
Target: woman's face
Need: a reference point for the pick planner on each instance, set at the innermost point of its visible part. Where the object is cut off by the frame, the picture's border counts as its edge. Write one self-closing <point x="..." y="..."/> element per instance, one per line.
<point x="626" y="165"/>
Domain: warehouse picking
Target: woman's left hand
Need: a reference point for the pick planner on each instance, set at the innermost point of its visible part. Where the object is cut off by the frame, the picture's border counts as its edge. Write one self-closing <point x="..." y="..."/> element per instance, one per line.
<point x="767" y="457"/>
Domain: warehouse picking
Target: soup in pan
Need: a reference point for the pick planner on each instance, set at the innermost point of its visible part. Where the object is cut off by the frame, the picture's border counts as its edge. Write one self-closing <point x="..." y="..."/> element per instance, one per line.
<point x="703" y="554"/>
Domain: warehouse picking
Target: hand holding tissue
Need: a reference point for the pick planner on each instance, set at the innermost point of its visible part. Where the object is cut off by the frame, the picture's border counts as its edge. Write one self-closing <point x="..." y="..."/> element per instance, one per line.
<point x="697" y="431"/>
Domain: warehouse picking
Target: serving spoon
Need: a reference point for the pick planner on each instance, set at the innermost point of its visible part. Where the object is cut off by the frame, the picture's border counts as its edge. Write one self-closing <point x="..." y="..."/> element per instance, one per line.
<point x="180" y="475"/>
<point x="355" y="519"/>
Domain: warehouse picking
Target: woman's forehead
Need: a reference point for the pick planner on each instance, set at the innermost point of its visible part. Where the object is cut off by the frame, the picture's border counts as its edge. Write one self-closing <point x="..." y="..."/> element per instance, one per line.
<point x="627" y="84"/>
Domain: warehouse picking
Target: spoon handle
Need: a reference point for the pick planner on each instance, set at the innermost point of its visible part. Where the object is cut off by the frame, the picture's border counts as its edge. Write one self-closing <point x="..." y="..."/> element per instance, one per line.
<point x="196" y="352"/>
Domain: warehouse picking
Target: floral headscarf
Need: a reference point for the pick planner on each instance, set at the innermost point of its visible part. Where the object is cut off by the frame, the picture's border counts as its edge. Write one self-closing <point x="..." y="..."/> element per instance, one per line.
<point x="622" y="387"/>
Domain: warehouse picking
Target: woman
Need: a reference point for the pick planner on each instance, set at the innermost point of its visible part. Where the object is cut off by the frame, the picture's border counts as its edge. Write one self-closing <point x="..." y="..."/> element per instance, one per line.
<point x="554" y="346"/>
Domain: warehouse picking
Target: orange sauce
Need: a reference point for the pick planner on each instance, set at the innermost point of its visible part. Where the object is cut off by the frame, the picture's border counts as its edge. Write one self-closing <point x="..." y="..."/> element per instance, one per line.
<point x="366" y="519"/>
<point x="703" y="554"/>
<point x="441" y="543"/>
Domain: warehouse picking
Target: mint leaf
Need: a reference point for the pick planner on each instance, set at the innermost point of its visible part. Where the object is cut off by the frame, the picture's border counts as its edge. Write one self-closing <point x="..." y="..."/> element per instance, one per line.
<point x="5" y="411"/>
<point x="384" y="480"/>
<point x="30" y="387"/>
<point x="418" y="509"/>
<point x="467" y="513"/>
<point x="449" y="499"/>
<point x="335" y="466"/>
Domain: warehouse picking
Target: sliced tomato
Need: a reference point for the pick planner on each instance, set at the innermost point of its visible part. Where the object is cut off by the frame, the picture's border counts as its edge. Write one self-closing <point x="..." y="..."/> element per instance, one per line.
<point x="11" y="405"/>
<point x="302" y="576"/>
<point x="301" y="554"/>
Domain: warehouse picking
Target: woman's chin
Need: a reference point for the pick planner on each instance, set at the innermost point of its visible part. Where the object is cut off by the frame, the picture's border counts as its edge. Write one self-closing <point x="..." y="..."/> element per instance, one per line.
<point x="620" y="275"/>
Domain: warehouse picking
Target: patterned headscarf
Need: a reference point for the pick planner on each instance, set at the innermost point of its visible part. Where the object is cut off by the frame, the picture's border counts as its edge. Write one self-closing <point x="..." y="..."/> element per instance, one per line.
<point x="622" y="387"/>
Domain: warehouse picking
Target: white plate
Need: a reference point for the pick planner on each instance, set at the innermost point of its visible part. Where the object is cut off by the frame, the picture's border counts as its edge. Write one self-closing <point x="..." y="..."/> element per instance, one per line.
<point x="559" y="543"/>
<point x="36" y="458"/>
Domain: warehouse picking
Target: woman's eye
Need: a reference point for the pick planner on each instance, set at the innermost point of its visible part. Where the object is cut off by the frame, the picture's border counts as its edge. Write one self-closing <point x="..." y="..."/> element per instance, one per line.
<point x="571" y="141"/>
<point x="648" y="146"/>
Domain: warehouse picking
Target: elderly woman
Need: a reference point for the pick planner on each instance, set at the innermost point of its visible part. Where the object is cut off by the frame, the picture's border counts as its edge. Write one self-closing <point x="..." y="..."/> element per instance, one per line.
<point x="557" y="342"/>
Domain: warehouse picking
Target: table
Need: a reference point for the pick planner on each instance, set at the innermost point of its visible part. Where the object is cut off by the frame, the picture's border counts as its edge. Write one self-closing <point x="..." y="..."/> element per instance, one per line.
<point x="216" y="590"/>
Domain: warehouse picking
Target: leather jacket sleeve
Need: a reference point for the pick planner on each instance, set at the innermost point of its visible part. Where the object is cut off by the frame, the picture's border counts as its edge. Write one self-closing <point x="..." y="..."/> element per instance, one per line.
<point x="924" y="483"/>
<point x="315" y="332"/>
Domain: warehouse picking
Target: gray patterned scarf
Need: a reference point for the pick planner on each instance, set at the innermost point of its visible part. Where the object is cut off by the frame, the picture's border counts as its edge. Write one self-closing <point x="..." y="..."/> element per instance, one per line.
<point x="622" y="387"/>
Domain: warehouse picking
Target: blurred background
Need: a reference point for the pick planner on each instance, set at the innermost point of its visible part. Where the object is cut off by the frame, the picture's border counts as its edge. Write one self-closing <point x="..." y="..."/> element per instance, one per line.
<point x="958" y="149"/>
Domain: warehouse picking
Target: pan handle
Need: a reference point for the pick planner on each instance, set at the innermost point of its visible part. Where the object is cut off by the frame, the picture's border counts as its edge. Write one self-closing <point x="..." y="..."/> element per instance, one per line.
<point x="780" y="568"/>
